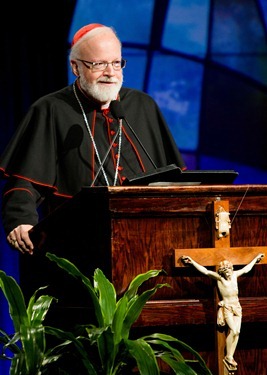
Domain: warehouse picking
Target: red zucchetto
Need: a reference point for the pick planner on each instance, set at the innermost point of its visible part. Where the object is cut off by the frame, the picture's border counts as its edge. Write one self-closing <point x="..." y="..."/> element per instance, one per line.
<point x="82" y="31"/>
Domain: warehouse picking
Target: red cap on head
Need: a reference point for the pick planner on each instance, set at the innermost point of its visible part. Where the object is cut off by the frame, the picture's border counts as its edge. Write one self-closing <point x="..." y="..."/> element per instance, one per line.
<point x="81" y="32"/>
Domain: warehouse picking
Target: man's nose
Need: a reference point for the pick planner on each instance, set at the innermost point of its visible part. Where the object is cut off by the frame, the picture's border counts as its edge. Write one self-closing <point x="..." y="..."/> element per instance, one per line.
<point x="109" y="69"/>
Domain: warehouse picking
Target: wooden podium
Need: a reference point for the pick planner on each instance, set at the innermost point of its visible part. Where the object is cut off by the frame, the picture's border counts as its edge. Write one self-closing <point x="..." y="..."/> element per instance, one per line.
<point x="129" y="230"/>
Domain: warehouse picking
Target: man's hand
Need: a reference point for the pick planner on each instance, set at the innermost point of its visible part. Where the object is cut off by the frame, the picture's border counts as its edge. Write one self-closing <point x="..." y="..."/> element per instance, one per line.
<point x="19" y="239"/>
<point x="259" y="257"/>
<point x="186" y="259"/>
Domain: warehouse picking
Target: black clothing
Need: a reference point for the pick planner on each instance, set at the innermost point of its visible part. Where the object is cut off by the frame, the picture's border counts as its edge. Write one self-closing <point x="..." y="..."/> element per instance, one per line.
<point x="52" y="155"/>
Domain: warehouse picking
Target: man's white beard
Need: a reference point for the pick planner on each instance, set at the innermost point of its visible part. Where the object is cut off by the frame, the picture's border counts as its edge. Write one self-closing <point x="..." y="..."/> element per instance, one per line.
<point x="100" y="93"/>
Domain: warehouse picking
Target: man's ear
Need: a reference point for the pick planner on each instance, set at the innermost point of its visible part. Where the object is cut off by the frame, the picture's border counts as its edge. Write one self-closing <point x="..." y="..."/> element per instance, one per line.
<point x="74" y="68"/>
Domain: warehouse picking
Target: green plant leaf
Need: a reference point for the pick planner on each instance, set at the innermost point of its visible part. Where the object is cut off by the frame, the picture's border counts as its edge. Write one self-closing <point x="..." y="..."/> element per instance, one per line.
<point x="18" y="365"/>
<point x="119" y="316"/>
<point x="139" y="280"/>
<point x="142" y="352"/>
<point x="171" y="356"/>
<point x="13" y="340"/>
<point x="74" y="271"/>
<point x="40" y="309"/>
<point x="106" y="296"/>
<point x="33" y="342"/>
<point x="69" y="338"/>
<point x="32" y="300"/>
<point x="33" y="337"/>
<point x="29" y="354"/>
<point x="179" y="367"/>
<point x="136" y="308"/>
<point x="163" y="339"/>
<point x="162" y="345"/>
<point x="15" y="299"/>
<point x="6" y="340"/>
<point x="107" y="350"/>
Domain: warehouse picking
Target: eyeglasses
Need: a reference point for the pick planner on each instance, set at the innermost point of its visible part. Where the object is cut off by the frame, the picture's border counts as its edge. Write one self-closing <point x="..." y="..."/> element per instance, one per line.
<point x="99" y="66"/>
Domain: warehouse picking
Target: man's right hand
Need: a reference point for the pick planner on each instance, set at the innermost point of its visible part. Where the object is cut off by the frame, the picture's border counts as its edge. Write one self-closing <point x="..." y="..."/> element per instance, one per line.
<point x="19" y="239"/>
<point x="186" y="259"/>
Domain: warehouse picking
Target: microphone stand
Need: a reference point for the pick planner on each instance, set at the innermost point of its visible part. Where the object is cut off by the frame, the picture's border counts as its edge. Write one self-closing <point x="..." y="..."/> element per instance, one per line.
<point x="140" y="143"/>
<point x="118" y="112"/>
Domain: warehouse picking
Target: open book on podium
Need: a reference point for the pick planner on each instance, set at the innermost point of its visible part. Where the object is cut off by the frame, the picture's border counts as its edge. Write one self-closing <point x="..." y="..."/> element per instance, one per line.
<point x="173" y="175"/>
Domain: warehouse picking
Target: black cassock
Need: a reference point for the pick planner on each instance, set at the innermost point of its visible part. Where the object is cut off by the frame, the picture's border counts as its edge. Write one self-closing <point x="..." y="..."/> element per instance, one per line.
<point x="52" y="155"/>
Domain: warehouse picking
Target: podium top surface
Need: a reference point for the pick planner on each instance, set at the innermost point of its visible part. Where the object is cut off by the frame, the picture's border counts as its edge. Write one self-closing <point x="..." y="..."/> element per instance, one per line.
<point x="177" y="189"/>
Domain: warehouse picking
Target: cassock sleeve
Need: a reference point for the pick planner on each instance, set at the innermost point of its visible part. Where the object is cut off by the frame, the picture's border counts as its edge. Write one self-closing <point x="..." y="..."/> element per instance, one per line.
<point x="31" y="154"/>
<point x="29" y="163"/>
<point x="20" y="201"/>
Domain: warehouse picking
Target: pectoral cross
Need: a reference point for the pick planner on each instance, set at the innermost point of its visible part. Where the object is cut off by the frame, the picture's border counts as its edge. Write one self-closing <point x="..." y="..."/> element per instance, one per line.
<point x="212" y="257"/>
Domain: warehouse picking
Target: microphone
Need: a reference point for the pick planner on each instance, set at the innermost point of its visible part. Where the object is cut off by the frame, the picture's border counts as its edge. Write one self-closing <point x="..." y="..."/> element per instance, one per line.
<point x="117" y="111"/>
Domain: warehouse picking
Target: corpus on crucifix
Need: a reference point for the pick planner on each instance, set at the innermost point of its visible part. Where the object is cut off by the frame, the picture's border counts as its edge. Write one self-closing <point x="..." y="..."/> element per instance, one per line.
<point x="229" y="308"/>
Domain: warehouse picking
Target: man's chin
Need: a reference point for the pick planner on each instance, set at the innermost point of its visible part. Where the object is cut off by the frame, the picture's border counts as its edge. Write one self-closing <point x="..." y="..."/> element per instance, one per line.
<point x="104" y="98"/>
<point x="102" y="93"/>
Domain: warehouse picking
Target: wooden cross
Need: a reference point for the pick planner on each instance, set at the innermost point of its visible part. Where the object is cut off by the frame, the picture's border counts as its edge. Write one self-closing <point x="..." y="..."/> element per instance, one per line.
<point x="211" y="257"/>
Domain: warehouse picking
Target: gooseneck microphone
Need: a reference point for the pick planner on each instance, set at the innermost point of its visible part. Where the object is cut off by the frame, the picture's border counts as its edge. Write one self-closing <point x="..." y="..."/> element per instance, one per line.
<point x="117" y="111"/>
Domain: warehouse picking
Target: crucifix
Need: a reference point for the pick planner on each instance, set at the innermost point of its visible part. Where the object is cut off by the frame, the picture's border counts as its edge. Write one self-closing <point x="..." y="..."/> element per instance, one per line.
<point x="223" y="258"/>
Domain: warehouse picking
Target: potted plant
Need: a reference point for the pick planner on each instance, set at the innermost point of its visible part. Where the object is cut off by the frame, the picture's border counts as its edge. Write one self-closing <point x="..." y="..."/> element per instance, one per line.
<point x="26" y="348"/>
<point x="106" y="347"/>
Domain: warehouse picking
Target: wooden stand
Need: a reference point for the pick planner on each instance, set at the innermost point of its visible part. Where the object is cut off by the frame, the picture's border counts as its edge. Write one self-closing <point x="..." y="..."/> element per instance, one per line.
<point x="131" y="230"/>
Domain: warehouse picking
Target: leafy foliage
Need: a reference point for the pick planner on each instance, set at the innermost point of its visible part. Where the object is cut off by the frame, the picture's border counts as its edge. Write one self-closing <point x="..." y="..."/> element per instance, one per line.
<point x="111" y="338"/>
<point x="28" y="343"/>
<point x="105" y="348"/>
